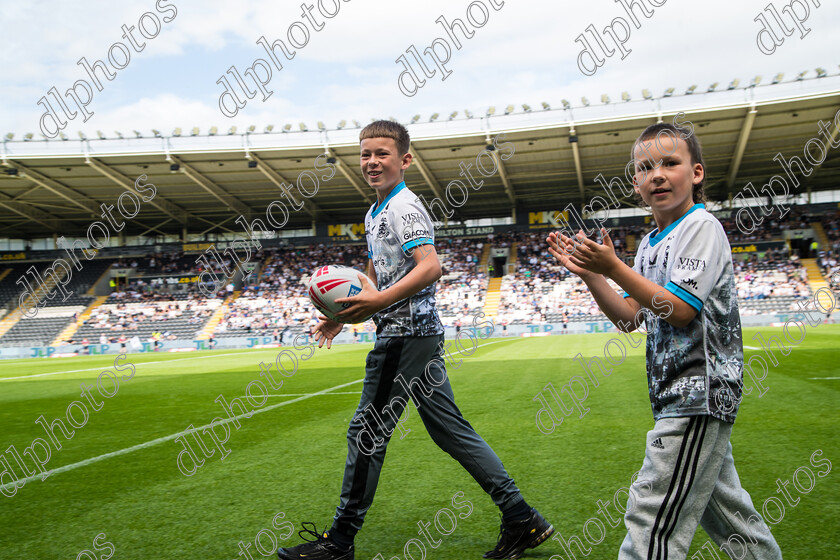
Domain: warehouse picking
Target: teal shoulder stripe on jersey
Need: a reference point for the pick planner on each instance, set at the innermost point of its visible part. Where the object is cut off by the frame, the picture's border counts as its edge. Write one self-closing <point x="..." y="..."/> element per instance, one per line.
<point x="416" y="242"/>
<point x="656" y="236"/>
<point x="378" y="207"/>
<point x="690" y="299"/>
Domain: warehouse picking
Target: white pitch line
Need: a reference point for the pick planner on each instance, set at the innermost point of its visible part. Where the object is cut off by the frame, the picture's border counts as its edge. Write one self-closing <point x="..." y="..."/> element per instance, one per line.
<point x="165" y="362"/>
<point x="170" y="437"/>
<point x="753" y="348"/>
<point x="132" y="363"/>
<point x="308" y="394"/>
<point x="835" y="378"/>
<point x="154" y="442"/>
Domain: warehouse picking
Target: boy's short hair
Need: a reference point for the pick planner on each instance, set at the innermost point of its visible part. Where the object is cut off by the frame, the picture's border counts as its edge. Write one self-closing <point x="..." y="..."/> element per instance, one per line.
<point x="698" y="195"/>
<point x="388" y="129"/>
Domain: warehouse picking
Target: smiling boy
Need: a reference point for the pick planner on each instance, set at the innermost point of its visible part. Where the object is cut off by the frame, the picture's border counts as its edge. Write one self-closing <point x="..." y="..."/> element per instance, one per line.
<point x="683" y="272"/>
<point x="406" y="358"/>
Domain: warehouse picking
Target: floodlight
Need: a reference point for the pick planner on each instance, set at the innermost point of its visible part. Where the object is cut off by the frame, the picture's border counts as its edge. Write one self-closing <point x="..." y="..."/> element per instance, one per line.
<point x="778" y="77"/>
<point x="28" y="136"/>
<point x="214" y="130"/>
<point x="566" y="104"/>
<point x="468" y="113"/>
<point x="434" y="117"/>
<point x="733" y="84"/>
<point x="10" y="135"/>
<point x="625" y="96"/>
<point x="81" y="135"/>
<point x="491" y="111"/>
<point x="100" y="134"/>
<point x="415" y="118"/>
<point x="647" y="94"/>
<point x="585" y="101"/>
<point x="509" y="109"/>
<point x="303" y="127"/>
<point x="119" y="134"/>
<point x="545" y="106"/>
<point x="232" y="130"/>
<point x="341" y="124"/>
<point x="713" y="87"/>
<point x="137" y="133"/>
<point x="251" y="129"/>
<point x="194" y="131"/>
<point x="668" y="92"/>
<point x="357" y="124"/>
<point x="801" y="75"/>
<point x="755" y="81"/>
<point x="321" y="125"/>
<point x="453" y="114"/>
<point x="605" y="98"/>
<point x="821" y="73"/>
<point x="62" y="136"/>
<point x="156" y="133"/>
<point x="691" y="89"/>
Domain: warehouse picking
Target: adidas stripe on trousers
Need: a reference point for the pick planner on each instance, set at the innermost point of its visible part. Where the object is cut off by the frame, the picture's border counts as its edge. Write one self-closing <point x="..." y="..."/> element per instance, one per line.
<point x="688" y="478"/>
<point x="395" y="365"/>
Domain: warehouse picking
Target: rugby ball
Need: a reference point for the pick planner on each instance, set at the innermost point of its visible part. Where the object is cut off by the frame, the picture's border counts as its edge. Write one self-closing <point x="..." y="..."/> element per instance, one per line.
<point x="330" y="283"/>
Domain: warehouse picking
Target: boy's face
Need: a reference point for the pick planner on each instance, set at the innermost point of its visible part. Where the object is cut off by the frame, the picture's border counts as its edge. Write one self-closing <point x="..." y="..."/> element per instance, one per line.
<point x="382" y="164"/>
<point x="665" y="177"/>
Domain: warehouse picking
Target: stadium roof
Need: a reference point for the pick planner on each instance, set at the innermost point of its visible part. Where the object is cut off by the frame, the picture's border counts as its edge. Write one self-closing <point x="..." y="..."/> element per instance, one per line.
<point x="204" y="182"/>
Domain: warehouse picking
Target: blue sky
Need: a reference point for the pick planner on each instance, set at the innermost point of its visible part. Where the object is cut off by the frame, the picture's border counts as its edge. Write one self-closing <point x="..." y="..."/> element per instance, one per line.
<point x="525" y="53"/>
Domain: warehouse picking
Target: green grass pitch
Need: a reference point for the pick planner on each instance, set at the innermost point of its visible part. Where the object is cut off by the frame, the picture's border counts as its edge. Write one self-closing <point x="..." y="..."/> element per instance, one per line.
<point x="290" y="459"/>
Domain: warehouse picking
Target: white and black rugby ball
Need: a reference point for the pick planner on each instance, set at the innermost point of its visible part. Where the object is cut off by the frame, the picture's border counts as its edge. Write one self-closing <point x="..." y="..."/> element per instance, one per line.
<point x="330" y="283"/>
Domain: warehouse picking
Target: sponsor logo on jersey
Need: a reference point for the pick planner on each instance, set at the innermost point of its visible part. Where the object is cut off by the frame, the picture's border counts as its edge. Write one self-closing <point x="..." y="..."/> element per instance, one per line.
<point x="412" y="218"/>
<point x="690" y="282"/>
<point x="691" y="264"/>
<point x="382" y="232"/>
<point x="409" y="234"/>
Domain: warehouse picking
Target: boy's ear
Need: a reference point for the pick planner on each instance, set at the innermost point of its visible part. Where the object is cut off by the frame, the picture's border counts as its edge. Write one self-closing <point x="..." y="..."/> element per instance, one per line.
<point x="406" y="160"/>
<point x="699" y="173"/>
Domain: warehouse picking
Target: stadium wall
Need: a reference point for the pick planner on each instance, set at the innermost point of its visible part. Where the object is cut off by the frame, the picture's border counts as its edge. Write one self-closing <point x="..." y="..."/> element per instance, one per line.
<point x="347" y="337"/>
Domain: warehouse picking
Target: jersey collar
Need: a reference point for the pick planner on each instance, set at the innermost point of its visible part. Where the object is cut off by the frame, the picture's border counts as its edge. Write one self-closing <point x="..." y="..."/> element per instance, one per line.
<point x="378" y="207"/>
<point x="656" y="236"/>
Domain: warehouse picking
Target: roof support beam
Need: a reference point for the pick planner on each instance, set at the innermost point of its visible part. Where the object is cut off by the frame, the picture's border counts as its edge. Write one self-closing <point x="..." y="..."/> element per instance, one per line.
<point x="47" y="220"/>
<point x="172" y="210"/>
<point x="502" y="173"/>
<point x="349" y="175"/>
<point x="155" y="228"/>
<point x="426" y="173"/>
<point x="281" y="183"/>
<point x="740" y="148"/>
<point x="73" y="196"/>
<point x="573" y="140"/>
<point x="218" y="192"/>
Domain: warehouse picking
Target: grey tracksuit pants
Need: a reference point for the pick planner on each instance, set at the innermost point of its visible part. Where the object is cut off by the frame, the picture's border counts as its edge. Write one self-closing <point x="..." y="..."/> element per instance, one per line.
<point x="688" y="478"/>
<point x="395" y="367"/>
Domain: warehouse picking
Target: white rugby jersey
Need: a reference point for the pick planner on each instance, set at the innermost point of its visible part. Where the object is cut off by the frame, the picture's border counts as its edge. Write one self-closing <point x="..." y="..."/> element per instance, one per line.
<point x="394" y="229"/>
<point x="698" y="369"/>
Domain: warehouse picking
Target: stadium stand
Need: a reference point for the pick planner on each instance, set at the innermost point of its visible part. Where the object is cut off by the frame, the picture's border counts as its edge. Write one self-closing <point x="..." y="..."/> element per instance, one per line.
<point x="273" y="300"/>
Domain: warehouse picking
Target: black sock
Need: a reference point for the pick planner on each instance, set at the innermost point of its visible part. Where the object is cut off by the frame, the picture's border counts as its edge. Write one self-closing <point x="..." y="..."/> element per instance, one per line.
<point x="340" y="539"/>
<point x="519" y="511"/>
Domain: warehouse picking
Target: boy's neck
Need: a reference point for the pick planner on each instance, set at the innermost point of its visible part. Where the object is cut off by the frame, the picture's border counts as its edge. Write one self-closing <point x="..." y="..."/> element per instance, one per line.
<point x="663" y="221"/>
<point x="382" y="194"/>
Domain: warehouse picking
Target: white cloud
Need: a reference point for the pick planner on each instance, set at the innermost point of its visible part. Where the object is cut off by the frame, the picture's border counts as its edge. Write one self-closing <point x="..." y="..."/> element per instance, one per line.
<point x="525" y="53"/>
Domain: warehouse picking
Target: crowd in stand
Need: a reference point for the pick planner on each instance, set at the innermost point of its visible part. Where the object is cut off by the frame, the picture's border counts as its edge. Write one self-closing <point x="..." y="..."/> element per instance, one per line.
<point x="829" y="259"/>
<point x="769" y="227"/>
<point x="775" y="275"/>
<point x="121" y="314"/>
<point x="276" y="298"/>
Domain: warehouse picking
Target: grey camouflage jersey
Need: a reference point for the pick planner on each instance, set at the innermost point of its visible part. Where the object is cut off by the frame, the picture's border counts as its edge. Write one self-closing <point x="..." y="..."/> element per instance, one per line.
<point x="394" y="230"/>
<point x="698" y="369"/>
